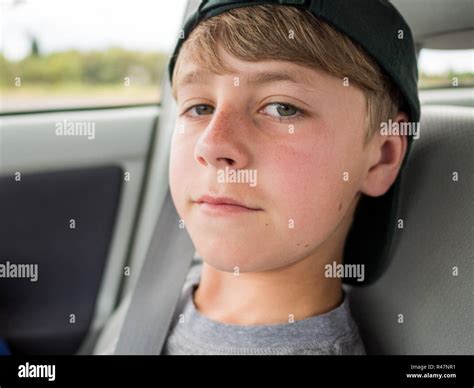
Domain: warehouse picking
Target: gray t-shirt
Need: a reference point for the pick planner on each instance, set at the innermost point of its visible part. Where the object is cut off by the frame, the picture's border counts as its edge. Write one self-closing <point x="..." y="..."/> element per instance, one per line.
<point x="334" y="332"/>
<point x="191" y="333"/>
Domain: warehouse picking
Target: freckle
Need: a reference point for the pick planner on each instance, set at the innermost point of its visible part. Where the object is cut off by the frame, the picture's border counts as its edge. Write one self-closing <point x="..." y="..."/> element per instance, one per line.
<point x="306" y="246"/>
<point x="298" y="244"/>
<point x="340" y="206"/>
<point x="266" y="224"/>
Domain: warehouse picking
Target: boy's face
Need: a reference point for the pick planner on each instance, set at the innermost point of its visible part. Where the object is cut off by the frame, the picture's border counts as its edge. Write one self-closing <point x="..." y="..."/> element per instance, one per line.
<point x="303" y="163"/>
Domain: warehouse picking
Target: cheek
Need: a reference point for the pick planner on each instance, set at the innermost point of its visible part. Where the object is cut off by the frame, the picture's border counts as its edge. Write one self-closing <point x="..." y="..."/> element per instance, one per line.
<point x="181" y="163"/>
<point x="306" y="190"/>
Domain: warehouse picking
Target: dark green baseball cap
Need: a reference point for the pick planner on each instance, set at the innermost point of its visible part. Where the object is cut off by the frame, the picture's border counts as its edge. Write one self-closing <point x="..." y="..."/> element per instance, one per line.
<point x="378" y="27"/>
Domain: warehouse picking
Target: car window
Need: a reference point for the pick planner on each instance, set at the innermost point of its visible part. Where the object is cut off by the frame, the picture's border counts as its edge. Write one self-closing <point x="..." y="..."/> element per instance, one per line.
<point x="446" y="68"/>
<point x="82" y="53"/>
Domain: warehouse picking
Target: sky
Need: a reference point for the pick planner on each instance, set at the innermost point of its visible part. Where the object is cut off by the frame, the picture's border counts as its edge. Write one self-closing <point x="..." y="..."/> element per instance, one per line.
<point x="89" y="24"/>
<point x="150" y="25"/>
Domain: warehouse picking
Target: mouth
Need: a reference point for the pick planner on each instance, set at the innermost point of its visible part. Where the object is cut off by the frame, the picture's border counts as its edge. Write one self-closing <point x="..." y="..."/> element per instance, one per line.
<point x="224" y="205"/>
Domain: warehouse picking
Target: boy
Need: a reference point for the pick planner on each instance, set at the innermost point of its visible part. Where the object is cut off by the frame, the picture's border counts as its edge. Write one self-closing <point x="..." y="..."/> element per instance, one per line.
<point x="279" y="114"/>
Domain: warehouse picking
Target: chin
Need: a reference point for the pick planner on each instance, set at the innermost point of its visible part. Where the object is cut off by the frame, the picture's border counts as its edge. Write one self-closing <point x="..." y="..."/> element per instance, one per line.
<point x="238" y="259"/>
<point x="226" y="260"/>
<point x="235" y="266"/>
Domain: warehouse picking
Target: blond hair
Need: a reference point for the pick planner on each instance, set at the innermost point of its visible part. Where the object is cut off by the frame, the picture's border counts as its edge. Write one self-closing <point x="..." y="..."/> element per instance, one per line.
<point x="265" y="32"/>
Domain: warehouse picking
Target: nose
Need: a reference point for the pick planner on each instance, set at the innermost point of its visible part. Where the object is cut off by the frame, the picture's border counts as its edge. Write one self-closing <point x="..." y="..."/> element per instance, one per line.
<point x="220" y="145"/>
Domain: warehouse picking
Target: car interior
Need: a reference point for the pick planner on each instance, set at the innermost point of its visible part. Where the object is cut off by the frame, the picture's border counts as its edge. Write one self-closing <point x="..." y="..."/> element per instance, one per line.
<point x="89" y="214"/>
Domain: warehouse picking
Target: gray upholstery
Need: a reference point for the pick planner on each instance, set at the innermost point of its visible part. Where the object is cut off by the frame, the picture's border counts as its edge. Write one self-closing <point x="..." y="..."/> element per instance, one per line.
<point x="437" y="235"/>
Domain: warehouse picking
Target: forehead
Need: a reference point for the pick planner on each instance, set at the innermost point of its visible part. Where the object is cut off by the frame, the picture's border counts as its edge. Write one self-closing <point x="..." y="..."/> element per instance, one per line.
<point x="251" y="73"/>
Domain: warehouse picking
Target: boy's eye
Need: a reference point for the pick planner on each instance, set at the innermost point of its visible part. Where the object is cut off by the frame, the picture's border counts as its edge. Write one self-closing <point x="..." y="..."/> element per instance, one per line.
<point x="201" y="110"/>
<point x="275" y="109"/>
<point x="279" y="110"/>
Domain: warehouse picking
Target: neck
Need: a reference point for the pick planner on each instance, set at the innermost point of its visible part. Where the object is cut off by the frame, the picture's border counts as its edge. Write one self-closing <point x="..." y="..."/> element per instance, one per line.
<point x="297" y="291"/>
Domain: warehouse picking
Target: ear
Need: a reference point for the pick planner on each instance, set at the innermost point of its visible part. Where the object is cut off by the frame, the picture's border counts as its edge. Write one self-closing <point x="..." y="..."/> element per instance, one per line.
<point x="386" y="153"/>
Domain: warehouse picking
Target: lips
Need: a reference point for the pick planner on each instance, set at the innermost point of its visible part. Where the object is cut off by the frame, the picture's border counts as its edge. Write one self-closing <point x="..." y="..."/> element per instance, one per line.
<point x="223" y="201"/>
